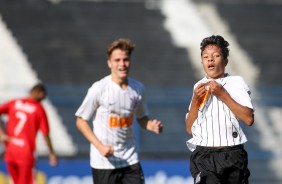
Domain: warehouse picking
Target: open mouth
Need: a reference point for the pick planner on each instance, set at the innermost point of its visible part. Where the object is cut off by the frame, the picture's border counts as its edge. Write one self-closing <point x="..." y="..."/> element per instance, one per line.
<point x="211" y="66"/>
<point x="124" y="70"/>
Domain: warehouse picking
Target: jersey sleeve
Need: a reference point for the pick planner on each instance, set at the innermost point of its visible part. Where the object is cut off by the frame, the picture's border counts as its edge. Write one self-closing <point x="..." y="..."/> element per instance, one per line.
<point x="239" y="91"/>
<point x="90" y="103"/>
<point x="142" y="109"/>
<point x="4" y="108"/>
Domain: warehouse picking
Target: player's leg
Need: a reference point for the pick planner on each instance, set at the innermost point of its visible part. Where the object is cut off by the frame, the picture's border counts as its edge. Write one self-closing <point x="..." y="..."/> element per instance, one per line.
<point x="132" y="174"/>
<point x="13" y="171"/>
<point x="237" y="176"/>
<point x="26" y="174"/>
<point x="202" y="166"/>
<point x="238" y="171"/>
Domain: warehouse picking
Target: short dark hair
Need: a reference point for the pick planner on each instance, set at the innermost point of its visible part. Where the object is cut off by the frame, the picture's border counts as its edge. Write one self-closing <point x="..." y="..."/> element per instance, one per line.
<point x="39" y="87"/>
<point x="121" y="43"/>
<point x="218" y="41"/>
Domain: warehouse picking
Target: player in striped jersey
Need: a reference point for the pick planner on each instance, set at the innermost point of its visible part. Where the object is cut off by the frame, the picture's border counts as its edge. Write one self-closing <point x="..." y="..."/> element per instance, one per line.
<point x="219" y="103"/>
<point x="113" y="102"/>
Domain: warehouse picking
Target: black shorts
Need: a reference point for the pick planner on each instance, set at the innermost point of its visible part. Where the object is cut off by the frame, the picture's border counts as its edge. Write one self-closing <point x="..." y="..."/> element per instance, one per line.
<point x="128" y="175"/>
<point x="227" y="165"/>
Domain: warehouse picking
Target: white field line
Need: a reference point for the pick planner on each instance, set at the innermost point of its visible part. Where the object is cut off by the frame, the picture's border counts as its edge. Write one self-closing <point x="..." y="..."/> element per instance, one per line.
<point x="17" y="78"/>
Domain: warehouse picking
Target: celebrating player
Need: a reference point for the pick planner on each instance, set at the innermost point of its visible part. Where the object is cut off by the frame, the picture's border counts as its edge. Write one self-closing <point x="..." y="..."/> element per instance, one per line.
<point x="26" y="116"/>
<point x="220" y="101"/>
<point x="114" y="102"/>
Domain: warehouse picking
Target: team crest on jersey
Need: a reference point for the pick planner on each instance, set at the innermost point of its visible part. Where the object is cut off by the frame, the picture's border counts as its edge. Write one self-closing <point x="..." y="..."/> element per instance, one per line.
<point x="134" y="102"/>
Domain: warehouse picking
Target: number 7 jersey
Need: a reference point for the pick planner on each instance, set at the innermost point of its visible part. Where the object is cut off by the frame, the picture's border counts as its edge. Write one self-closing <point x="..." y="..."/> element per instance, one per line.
<point x="25" y="117"/>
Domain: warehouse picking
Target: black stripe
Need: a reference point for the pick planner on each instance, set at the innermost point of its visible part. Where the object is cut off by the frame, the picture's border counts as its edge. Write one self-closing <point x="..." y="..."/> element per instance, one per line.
<point x="226" y="131"/>
<point x="212" y="123"/>
<point x="218" y="120"/>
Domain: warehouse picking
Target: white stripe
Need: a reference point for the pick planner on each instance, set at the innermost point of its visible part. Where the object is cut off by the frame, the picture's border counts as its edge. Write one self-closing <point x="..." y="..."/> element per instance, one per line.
<point x="240" y="62"/>
<point x="188" y="26"/>
<point x="17" y="78"/>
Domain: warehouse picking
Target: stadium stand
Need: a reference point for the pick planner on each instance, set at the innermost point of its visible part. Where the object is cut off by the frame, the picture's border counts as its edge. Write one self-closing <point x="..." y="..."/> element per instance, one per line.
<point x="17" y="78"/>
<point x="65" y="44"/>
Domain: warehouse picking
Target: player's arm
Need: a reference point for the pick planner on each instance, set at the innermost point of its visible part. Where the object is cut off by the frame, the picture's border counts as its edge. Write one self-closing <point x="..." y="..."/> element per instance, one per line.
<point x="191" y="117"/>
<point x="152" y="125"/>
<point x="244" y="114"/>
<point x="85" y="129"/>
<point x="3" y="110"/>
<point x="2" y="133"/>
<point x="52" y="156"/>
<point x="3" y="136"/>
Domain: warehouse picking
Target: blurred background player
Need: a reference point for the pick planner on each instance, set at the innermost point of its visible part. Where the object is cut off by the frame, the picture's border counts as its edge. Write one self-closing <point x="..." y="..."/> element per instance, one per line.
<point x="217" y="139"/>
<point x="114" y="102"/>
<point x="26" y="116"/>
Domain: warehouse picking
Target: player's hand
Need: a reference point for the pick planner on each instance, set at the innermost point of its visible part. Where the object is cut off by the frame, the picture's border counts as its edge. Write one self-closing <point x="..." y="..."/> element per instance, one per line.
<point x="216" y="88"/>
<point x="106" y="150"/>
<point x="156" y="126"/>
<point x="199" y="93"/>
<point x="53" y="159"/>
<point x="4" y="138"/>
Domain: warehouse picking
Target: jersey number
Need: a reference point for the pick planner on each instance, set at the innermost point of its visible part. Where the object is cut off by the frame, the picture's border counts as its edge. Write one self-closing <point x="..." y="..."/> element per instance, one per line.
<point x="22" y="120"/>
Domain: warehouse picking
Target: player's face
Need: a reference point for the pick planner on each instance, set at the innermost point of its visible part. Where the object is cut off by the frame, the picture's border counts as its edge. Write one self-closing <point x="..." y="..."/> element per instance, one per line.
<point x="119" y="63"/>
<point x="38" y="95"/>
<point x="213" y="62"/>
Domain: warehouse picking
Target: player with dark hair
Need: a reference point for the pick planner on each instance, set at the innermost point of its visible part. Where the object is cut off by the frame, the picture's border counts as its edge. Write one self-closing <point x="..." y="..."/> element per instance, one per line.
<point x="219" y="103"/>
<point x="26" y="116"/>
<point x="114" y="102"/>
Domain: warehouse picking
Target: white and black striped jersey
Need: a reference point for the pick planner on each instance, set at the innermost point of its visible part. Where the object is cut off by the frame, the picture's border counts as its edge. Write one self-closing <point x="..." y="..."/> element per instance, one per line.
<point x="113" y="110"/>
<point x="216" y="125"/>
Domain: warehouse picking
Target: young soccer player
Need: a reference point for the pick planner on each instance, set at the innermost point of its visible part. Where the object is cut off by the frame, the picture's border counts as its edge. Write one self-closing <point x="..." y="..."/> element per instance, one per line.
<point x="26" y="116"/>
<point x="219" y="103"/>
<point x="113" y="102"/>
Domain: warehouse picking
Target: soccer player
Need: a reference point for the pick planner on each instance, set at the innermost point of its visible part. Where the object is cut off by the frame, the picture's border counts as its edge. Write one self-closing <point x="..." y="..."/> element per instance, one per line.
<point x="26" y="116"/>
<point x="114" y="102"/>
<point x="219" y="103"/>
